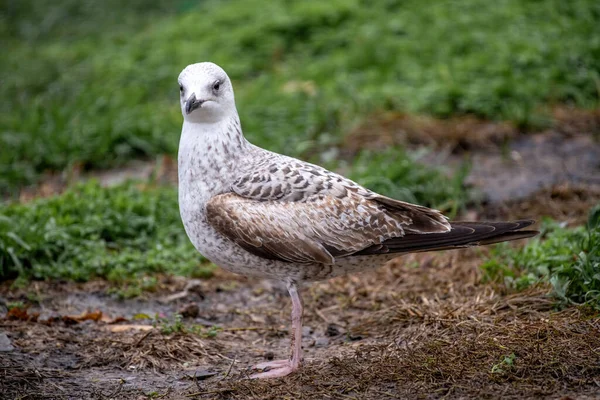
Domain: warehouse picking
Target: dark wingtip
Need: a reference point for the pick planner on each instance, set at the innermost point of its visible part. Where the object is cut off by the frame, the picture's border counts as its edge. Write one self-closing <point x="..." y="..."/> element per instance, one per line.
<point x="509" y="236"/>
<point x="523" y="223"/>
<point x="463" y="234"/>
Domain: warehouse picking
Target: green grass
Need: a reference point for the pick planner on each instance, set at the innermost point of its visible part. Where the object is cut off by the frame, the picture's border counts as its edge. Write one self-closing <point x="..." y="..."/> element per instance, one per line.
<point x="569" y="259"/>
<point x="119" y="234"/>
<point x="176" y="325"/>
<point x="95" y="82"/>
<point x="507" y="363"/>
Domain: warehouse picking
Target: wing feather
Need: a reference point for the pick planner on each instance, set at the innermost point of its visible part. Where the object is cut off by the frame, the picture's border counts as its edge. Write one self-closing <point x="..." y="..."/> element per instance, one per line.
<point x="286" y="209"/>
<point x="317" y="230"/>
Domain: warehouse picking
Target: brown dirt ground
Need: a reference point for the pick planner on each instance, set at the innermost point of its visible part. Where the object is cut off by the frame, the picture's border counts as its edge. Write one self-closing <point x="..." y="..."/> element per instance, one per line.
<point x="461" y="133"/>
<point x="423" y="326"/>
<point x="565" y="202"/>
<point x="398" y="332"/>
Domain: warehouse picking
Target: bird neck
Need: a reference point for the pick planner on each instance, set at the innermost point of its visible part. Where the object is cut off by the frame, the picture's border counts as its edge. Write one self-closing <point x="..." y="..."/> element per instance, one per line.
<point x="224" y="136"/>
<point x="213" y="148"/>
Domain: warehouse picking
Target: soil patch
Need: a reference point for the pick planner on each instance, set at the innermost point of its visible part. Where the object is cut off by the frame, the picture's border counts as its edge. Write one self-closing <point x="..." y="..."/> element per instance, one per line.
<point x="462" y="133"/>
<point x="397" y="332"/>
<point x="567" y="202"/>
<point x="452" y="135"/>
<point x="535" y="162"/>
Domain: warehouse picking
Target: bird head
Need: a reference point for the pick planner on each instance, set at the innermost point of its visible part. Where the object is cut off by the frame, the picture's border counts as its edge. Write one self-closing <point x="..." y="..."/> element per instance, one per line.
<point x="206" y="93"/>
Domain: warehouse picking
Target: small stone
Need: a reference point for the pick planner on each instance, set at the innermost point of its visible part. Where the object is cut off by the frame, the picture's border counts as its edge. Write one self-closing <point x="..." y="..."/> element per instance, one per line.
<point x="332" y="330"/>
<point x="190" y="310"/>
<point x="269" y="355"/>
<point x="198" y="375"/>
<point x="192" y="288"/>
<point x="195" y="286"/>
<point x="221" y="308"/>
<point x="307" y="331"/>
<point x="322" y="342"/>
<point x="5" y="344"/>
<point x="354" y="337"/>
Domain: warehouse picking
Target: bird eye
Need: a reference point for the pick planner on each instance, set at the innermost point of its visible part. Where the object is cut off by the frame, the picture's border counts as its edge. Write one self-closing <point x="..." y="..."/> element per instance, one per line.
<point x="216" y="86"/>
<point x="181" y="88"/>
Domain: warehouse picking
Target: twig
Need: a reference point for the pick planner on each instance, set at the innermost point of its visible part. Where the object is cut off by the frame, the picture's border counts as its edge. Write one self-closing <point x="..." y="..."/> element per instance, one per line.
<point x="166" y="393"/>
<point x="252" y="328"/>
<point x="224" y="357"/>
<point x="208" y="392"/>
<point x="56" y="386"/>
<point x="143" y="337"/>
<point x="228" y="371"/>
<point x="114" y="393"/>
<point x="196" y="381"/>
<point x="323" y="317"/>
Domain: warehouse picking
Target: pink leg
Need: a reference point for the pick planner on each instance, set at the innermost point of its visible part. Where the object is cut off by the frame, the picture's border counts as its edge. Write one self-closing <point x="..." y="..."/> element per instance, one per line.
<point x="279" y="368"/>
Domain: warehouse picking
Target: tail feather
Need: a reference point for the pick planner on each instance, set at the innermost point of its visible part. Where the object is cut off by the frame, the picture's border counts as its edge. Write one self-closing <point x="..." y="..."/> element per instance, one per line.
<point x="462" y="234"/>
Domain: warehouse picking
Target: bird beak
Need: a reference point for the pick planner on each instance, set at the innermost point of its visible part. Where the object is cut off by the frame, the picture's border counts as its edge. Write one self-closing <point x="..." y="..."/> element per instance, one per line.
<point x="192" y="103"/>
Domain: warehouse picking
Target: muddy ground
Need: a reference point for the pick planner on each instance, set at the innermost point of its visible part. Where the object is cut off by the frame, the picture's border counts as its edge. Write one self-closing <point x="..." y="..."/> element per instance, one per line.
<point x="423" y="326"/>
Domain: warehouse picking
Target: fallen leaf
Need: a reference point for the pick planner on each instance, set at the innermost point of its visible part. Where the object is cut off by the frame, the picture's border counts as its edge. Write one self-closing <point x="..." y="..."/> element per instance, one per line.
<point x="17" y="313"/>
<point x="108" y="320"/>
<point x="124" y="328"/>
<point x="73" y="319"/>
<point x="21" y="314"/>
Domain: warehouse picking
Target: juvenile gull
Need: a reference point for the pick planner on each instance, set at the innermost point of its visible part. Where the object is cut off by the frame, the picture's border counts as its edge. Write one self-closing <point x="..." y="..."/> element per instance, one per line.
<point x="258" y="213"/>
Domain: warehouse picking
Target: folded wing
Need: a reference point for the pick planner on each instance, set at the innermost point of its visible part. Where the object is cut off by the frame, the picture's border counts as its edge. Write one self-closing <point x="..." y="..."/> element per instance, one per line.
<point x="289" y="210"/>
<point x="319" y="229"/>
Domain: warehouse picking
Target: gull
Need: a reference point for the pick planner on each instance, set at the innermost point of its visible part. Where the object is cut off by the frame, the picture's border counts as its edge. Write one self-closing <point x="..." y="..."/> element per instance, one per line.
<point x="259" y="213"/>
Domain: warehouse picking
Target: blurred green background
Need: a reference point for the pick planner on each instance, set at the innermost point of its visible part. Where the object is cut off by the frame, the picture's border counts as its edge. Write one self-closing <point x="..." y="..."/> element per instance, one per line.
<point x="93" y="83"/>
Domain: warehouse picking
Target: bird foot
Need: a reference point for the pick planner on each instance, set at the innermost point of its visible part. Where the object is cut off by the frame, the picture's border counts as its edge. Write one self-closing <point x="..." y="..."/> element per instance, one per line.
<point x="273" y="369"/>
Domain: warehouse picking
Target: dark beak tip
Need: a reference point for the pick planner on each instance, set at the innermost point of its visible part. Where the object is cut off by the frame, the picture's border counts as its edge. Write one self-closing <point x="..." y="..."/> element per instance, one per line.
<point x="192" y="103"/>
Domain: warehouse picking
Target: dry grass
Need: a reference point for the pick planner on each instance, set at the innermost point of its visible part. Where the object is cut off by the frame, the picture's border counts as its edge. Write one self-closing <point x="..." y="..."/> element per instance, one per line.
<point x="455" y="357"/>
<point x="573" y="121"/>
<point x="149" y="350"/>
<point x="441" y="335"/>
<point x="406" y="332"/>
<point x="461" y="133"/>
<point x="452" y="134"/>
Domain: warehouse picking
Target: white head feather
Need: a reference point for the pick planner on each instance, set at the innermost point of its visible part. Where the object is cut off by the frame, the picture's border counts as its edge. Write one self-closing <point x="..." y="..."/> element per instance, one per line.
<point x="206" y="93"/>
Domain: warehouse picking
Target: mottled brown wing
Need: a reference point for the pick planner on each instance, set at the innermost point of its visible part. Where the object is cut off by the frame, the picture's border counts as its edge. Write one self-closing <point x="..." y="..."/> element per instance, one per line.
<point x="278" y="178"/>
<point x="420" y="219"/>
<point x="318" y="229"/>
